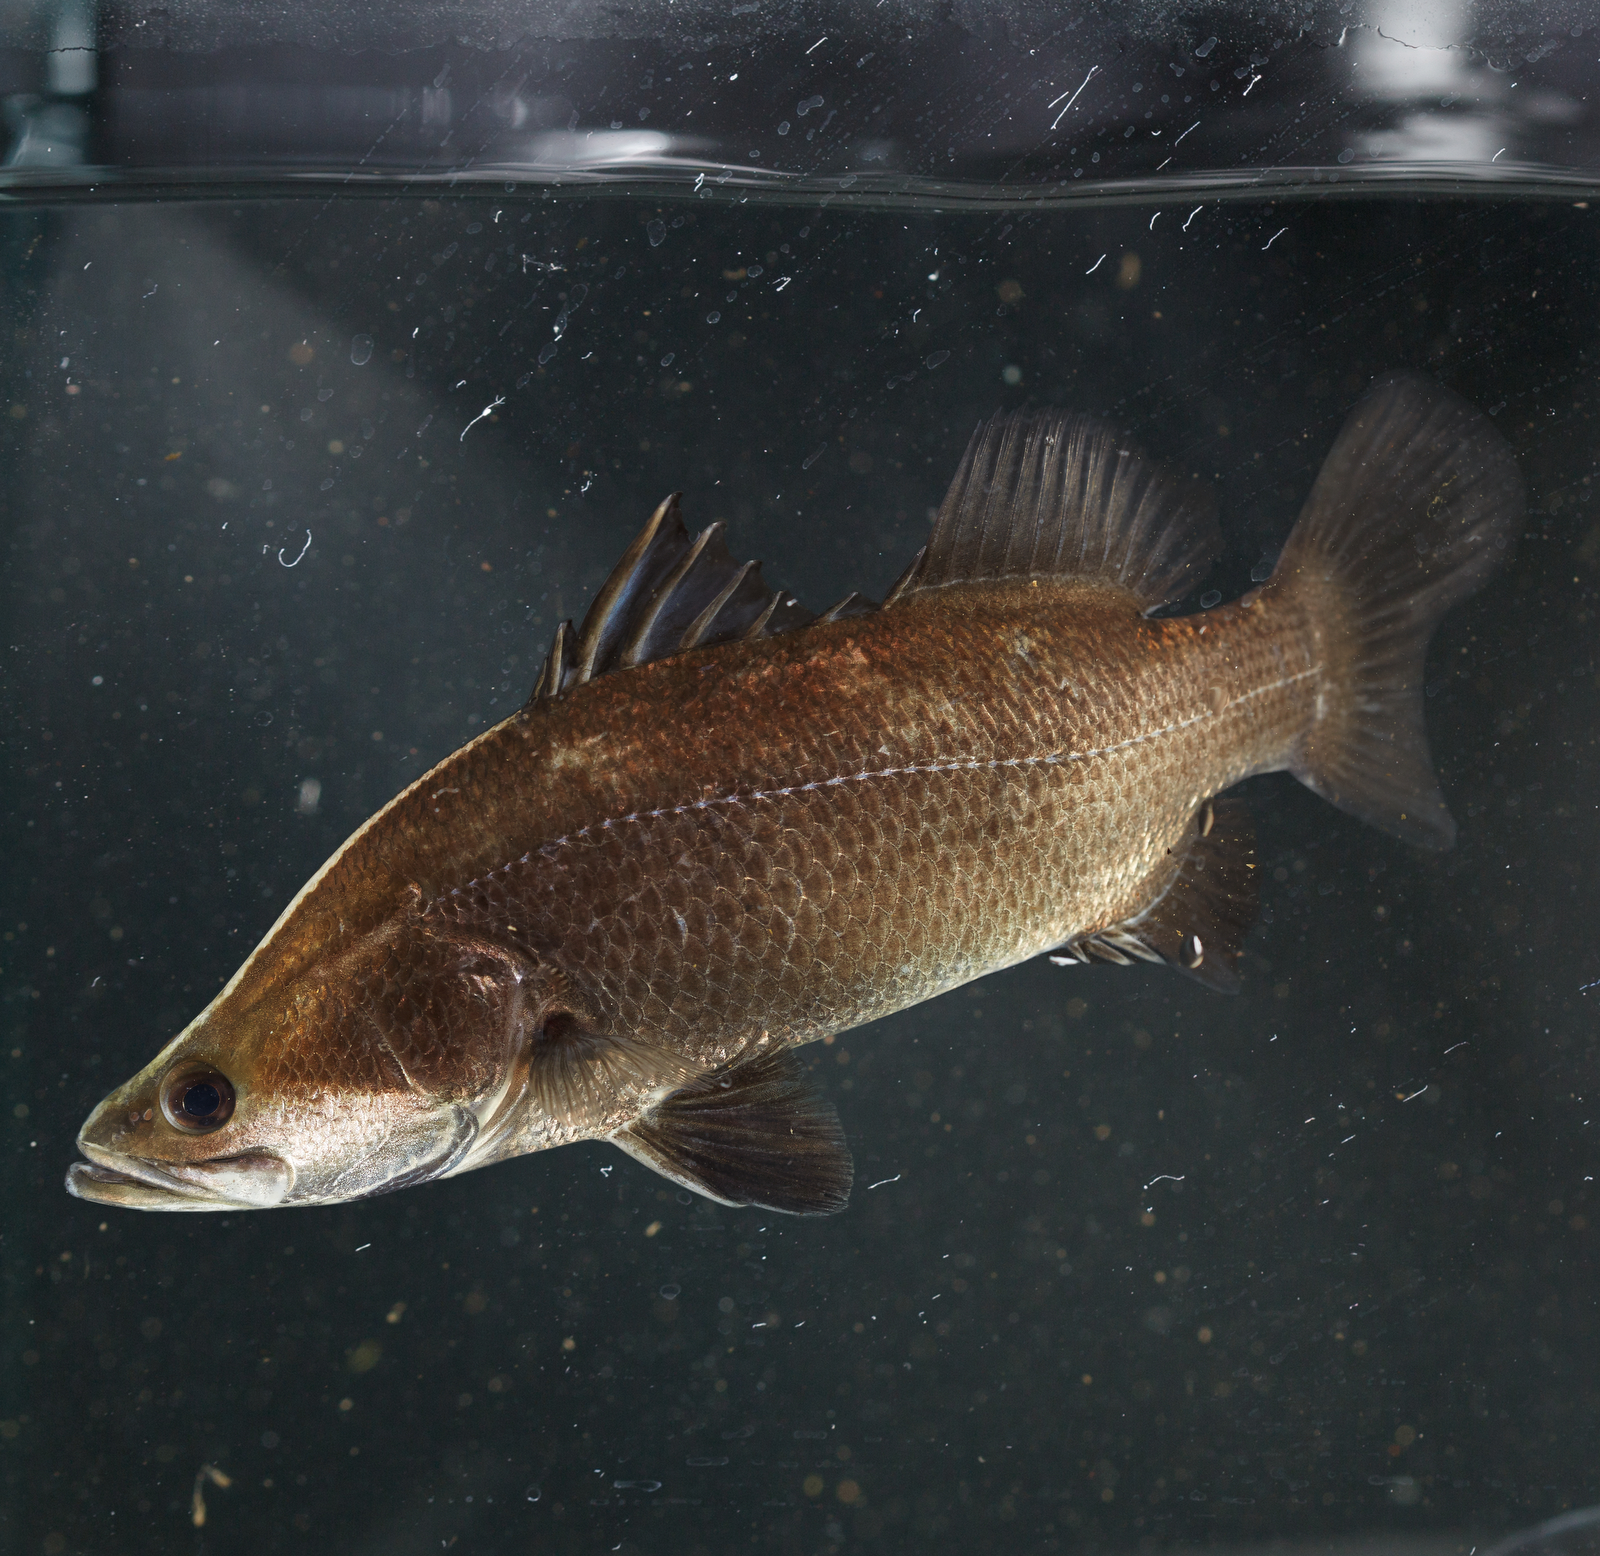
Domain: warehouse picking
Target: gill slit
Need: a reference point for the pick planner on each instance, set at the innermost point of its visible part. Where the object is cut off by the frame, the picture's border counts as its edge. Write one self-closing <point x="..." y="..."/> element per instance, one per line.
<point x="1047" y="759"/>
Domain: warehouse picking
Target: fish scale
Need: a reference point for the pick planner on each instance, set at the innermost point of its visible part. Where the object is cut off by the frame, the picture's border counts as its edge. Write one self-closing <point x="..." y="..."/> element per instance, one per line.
<point x="809" y="906"/>
<point x="723" y="827"/>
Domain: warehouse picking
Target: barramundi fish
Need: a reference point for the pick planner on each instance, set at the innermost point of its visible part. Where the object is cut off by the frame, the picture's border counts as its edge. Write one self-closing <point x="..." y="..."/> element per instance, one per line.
<point x="722" y="827"/>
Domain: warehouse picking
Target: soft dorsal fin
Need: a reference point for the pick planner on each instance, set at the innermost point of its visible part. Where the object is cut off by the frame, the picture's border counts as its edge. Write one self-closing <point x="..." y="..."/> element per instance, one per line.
<point x="756" y="1133"/>
<point x="1048" y="495"/>
<point x="1202" y="904"/>
<point x="667" y="594"/>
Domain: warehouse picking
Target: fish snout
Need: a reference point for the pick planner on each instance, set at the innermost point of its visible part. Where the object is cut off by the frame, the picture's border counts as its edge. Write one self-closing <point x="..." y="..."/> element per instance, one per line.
<point x="117" y="1122"/>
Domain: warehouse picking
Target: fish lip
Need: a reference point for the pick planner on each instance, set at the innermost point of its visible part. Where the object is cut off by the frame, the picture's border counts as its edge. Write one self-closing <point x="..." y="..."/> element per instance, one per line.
<point x="112" y="1178"/>
<point x="100" y="1184"/>
<point x="108" y="1166"/>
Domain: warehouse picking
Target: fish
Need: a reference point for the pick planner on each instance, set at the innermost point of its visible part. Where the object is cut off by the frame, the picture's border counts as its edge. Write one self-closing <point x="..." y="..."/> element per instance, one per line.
<point x="722" y="826"/>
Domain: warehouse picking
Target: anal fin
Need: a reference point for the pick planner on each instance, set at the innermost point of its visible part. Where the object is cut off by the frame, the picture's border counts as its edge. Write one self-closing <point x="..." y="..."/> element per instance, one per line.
<point x="1199" y="911"/>
<point x="756" y="1133"/>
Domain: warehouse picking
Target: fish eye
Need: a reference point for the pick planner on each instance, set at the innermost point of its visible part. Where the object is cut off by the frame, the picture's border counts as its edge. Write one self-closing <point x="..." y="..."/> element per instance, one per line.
<point x="197" y="1100"/>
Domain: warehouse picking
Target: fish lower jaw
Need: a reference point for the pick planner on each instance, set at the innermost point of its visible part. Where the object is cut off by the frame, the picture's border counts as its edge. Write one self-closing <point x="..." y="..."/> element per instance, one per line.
<point x="105" y="1186"/>
<point x="252" y="1182"/>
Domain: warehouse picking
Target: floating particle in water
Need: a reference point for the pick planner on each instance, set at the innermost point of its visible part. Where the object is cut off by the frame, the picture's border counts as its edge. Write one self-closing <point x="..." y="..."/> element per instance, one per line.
<point x="361" y="350"/>
<point x="197" y="1505"/>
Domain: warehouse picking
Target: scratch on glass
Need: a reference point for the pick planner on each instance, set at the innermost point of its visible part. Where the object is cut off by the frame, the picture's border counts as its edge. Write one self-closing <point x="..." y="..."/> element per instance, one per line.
<point x="305" y="548"/>
<point x="1094" y="70"/>
<point x="492" y="406"/>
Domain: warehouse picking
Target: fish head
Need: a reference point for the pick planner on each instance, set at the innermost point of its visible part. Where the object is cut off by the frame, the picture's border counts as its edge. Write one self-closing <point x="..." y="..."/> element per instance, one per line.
<point x="355" y="1079"/>
<point x="176" y="1137"/>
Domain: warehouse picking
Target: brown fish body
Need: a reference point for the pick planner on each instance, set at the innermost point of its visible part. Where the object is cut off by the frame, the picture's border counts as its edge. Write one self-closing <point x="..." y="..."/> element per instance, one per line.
<point x="802" y="833"/>
<point x="651" y="877"/>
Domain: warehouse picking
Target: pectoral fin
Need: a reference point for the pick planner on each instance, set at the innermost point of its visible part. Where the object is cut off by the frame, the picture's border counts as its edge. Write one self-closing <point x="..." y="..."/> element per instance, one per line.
<point x="756" y="1133"/>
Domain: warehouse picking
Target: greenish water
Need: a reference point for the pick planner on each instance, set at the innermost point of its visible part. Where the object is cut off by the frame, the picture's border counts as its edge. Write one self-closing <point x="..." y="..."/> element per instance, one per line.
<point x="296" y="493"/>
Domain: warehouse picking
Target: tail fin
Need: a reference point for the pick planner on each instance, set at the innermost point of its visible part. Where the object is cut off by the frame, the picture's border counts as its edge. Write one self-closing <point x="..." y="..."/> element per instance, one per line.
<point x="1418" y="503"/>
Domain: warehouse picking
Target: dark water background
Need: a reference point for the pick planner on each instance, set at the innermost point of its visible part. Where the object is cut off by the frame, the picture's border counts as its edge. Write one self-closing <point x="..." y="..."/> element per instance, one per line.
<point x="1368" y="1304"/>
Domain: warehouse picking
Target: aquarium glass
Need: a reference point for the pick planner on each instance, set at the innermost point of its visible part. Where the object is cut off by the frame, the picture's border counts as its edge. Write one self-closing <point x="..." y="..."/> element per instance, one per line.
<point x="339" y="366"/>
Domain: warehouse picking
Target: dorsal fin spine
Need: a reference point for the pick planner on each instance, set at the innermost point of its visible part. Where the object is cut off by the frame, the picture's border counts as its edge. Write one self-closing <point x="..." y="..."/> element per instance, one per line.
<point x="607" y="618"/>
<point x="701" y="626"/>
<point x="636" y="648"/>
<point x="905" y="580"/>
<point x="853" y="604"/>
<point x="557" y="665"/>
<point x="758" y="627"/>
<point x="667" y="594"/>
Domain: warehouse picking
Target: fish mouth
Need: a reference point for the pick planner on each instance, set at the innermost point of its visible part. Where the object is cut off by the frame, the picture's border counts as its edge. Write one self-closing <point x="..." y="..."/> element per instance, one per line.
<point x="252" y="1180"/>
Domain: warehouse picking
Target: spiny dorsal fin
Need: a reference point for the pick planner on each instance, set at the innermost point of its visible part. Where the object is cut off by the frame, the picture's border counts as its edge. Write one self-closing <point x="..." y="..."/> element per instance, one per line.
<point x="1199" y="913"/>
<point x="667" y="594"/>
<point x="757" y="1133"/>
<point x="853" y="604"/>
<point x="557" y="664"/>
<point x="1044" y="494"/>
